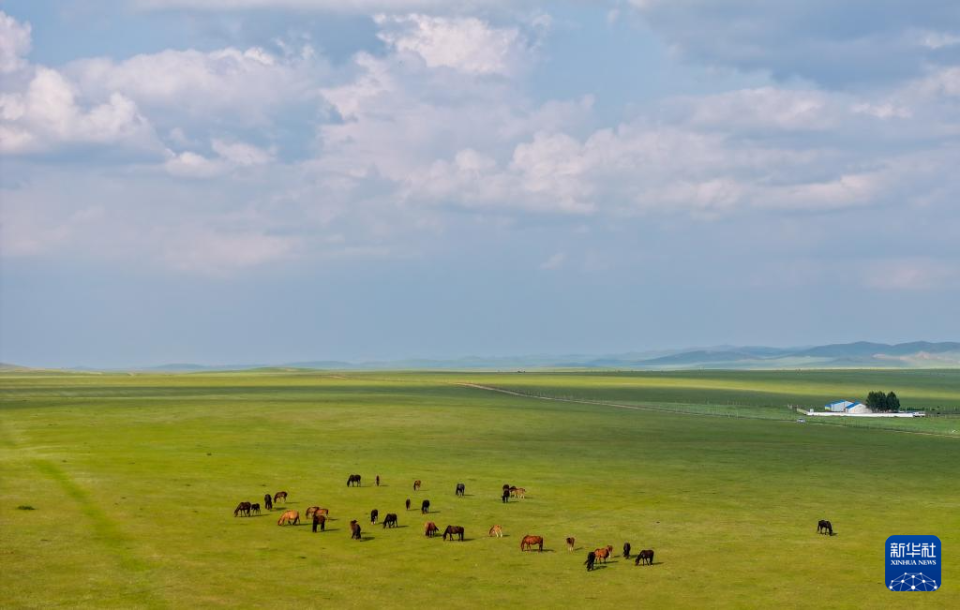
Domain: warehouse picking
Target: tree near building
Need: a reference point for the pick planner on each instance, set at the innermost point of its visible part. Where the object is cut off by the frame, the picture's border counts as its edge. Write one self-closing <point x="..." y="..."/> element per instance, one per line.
<point x="881" y="402"/>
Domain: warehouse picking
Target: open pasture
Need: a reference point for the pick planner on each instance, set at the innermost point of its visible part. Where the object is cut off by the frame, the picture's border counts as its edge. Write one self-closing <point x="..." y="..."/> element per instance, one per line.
<point x="134" y="478"/>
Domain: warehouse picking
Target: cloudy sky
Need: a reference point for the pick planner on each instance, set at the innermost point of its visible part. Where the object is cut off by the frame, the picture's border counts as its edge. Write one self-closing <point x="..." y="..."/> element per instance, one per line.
<point x="222" y="181"/>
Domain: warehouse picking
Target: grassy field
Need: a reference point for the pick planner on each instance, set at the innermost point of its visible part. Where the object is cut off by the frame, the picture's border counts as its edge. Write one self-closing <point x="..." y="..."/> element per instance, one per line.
<point x="133" y="479"/>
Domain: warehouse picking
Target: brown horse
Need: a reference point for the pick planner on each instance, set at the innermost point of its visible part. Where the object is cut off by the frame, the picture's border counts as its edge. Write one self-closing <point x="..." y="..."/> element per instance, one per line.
<point x="267" y="502"/>
<point x="518" y="492"/>
<point x="453" y="530"/>
<point x="408" y="503"/>
<point x="644" y="557"/>
<point x="825" y="527"/>
<point x="425" y="507"/>
<point x="571" y="541"/>
<point x="280" y="495"/>
<point x="529" y="542"/>
<point x="353" y="479"/>
<point x="390" y="520"/>
<point x="311" y="511"/>
<point x="354" y="530"/>
<point x="291" y="517"/>
<point x="430" y="529"/>
<point x="374" y="515"/>
<point x="416" y="485"/>
<point x="604" y="553"/>
<point x="255" y="508"/>
<point x="497" y="531"/>
<point x="320" y="520"/>
<point x="378" y="480"/>
<point x="626" y="550"/>
<point x="242" y="509"/>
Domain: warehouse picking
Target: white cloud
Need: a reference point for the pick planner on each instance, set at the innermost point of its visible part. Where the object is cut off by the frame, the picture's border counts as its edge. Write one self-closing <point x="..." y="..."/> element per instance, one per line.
<point x="336" y="6"/>
<point x="229" y="156"/>
<point x="14" y="43"/>
<point x="910" y="274"/>
<point x="467" y="44"/>
<point x="208" y="251"/>
<point x="554" y="262"/>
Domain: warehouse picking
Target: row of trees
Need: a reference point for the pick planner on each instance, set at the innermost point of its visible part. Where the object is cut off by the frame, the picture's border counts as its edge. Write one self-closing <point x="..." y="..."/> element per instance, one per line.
<point x="881" y="403"/>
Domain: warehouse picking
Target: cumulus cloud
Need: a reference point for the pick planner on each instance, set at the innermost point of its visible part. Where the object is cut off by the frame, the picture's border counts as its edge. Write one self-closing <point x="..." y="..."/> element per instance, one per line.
<point x="337" y="6"/>
<point x="15" y="43"/>
<point x="227" y="156"/>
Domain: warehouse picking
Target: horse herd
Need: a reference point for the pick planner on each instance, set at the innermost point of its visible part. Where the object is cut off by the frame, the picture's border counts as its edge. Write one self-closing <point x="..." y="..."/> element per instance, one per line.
<point x="320" y="516"/>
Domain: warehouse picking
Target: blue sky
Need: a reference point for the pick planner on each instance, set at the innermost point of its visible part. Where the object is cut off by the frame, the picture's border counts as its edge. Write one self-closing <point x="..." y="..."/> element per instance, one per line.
<point x="224" y="181"/>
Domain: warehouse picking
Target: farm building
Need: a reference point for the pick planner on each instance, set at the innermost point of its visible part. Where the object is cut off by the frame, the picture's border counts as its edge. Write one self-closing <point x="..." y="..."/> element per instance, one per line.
<point x="846" y="406"/>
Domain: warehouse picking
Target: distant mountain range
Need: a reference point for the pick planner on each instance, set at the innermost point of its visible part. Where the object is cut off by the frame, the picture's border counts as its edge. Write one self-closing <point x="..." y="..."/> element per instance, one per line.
<point x="918" y="354"/>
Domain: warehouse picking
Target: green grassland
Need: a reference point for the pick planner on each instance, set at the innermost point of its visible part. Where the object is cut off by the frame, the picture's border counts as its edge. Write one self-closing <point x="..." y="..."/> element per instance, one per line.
<point x="133" y="479"/>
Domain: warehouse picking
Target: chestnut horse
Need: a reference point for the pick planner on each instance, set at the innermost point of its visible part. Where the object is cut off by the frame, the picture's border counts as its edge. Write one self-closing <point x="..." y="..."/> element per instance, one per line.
<point x="311" y="511"/>
<point x="497" y="531"/>
<point x="430" y="529"/>
<point x="528" y="543"/>
<point x="416" y="485"/>
<point x="453" y="530"/>
<point x="644" y="557"/>
<point x="604" y="553"/>
<point x="390" y="520"/>
<point x="570" y="542"/>
<point x="242" y="509"/>
<point x="280" y="495"/>
<point x="825" y="527"/>
<point x="353" y="479"/>
<point x="291" y="517"/>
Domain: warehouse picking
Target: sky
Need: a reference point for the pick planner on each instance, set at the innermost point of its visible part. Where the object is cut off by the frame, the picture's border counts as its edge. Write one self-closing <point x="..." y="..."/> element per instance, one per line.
<point x="236" y="181"/>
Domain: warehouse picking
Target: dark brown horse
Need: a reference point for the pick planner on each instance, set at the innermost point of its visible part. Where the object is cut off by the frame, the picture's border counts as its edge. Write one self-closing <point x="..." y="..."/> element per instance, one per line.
<point x="644" y="557"/>
<point x="416" y="485"/>
<point x="506" y="496"/>
<point x="425" y="507"/>
<point x="408" y="503"/>
<point x="267" y="502"/>
<point x="591" y="560"/>
<point x="453" y="530"/>
<point x="378" y="480"/>
<point x="242" y="509"/>
<point x="430" y="529"/>
<point x="291" y="516"/>
<point x="390" y="520"/>
<point x="461" y="489"/>
<point x="529" y="542"/>
<point x="320" y="520"/>
<point x="255" y="508"/>
<point x="353" y="479"/>
<point x="280" y="495"/>
<point x="571" y="541"/>
<point x="825" y="527"/>
<point x="626" y="550"/>
<point x="374" y="515"/>
<point x="354" y="530"/>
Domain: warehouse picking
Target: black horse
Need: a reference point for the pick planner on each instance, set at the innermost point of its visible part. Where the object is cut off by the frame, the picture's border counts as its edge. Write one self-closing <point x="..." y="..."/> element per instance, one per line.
<point x="267" y="502"/>
<point x="461" y="489"/>
<point x="453" y="530"/>
<point x="374" y="515"/>
<point x="825" y="527"/>
<point x="626" y="550"/>
<point x="425" y="507"/>
<point x="353" y="479"/>
<point x="390" y="520"/>
<point x="644" y="557"/>
<point x="591" y="559"/>
<point x="506" y="495"/>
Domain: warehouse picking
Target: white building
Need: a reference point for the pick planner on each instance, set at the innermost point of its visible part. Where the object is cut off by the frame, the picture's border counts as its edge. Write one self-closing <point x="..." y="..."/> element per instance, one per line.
<point x="846" y="406"/>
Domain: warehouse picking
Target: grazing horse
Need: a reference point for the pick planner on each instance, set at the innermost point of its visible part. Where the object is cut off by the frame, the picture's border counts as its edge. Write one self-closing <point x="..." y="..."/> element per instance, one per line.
<point x="242" y="509"/>
<point x="390" y="520"/>
<point x="518" y="492"/>
<point x="644" y="557"/>
<point x="528" y="543"/>
<point x="416" y="485"/>
<point x="374" y="515"/>
<point x="506" y="496"/>
<point x="280" y="495"/>
<point x="312" y="511"/>
<point x="825" y="527"/>
<point x="267" y="502"/>
<point x="354" y="530"/>
<point x="497" y="531"/>
<point x="591" y="559"/>
<point x="626" y="550"/>
<point x="430" y="529"/>
<point x="353" y="479"/>
<point x="320" y="520"/>
<point x="408" y="503"/>
<point x="461" y="489"/>
<point x="291" y="516"/>
<point x="604" y="553"/>
<point x="453" y="530"/>
<point x="570" y="542"/>
<point x="255" y="508"/>
<point x="425" y="507"/>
